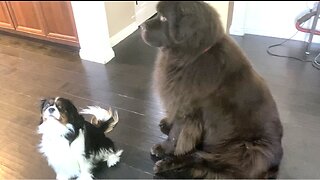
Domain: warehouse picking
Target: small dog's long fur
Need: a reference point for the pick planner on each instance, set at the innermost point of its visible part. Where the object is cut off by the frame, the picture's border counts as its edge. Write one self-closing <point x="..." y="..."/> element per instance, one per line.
<point x="73" y="146"/>
<point x="222" y="121"/>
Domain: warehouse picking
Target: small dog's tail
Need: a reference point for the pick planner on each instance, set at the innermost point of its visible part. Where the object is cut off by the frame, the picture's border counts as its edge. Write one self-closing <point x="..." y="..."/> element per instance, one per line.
<point x="105" y="120"/>
<point x="113" y="158"/>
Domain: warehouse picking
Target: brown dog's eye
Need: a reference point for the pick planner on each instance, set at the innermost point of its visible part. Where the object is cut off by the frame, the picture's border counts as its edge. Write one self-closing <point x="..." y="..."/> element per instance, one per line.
<point x="163" y="19"/>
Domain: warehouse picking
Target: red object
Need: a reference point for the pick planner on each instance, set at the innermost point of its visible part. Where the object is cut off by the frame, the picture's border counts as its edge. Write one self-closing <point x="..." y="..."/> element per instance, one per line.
<point x="303" y="19"/>
<point x="299" y="28"/>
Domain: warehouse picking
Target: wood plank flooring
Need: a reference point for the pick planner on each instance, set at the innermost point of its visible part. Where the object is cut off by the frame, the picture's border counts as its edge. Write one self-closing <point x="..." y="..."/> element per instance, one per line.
<point x="31" y="70"/>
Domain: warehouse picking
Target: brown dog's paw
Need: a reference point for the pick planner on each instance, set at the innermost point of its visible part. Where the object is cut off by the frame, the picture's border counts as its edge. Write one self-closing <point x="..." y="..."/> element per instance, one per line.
<point x="157" y="151"/>
<point x="161" y="166"/>
<point x="167" y="164"/>
<point x="164" y="126"/>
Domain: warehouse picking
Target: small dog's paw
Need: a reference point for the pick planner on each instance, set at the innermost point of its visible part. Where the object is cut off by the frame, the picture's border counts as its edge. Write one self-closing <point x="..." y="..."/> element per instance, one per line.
<point x="164" y="126"/>
<point x="157" y="151"/>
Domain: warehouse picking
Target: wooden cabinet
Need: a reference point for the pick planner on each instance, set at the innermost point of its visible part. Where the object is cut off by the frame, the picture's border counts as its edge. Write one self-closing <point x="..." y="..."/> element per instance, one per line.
<point x="59" y="20"/>
<point x="5" y="19"/>
<point x="47" y="20"/>
<point x="26" y="16"/>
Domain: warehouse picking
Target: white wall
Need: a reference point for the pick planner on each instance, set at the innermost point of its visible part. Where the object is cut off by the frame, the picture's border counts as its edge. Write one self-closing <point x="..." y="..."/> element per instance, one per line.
<point x="124" y="17"/>
<point x="121" y="20"/>
<point x="120" y="14"/>
<point x="144" y="10"/>
<point x="273" y="18"/>
<point x="222" y="8"/>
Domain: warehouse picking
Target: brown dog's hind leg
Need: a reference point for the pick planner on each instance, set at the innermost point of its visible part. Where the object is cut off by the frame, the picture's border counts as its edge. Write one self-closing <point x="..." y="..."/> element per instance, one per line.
<point x="242" y="160"/>
<point x="191" y="133"/>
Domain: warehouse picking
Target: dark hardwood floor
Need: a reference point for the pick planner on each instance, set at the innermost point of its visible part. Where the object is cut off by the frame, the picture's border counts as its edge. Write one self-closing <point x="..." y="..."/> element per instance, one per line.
<point x="32" y="70"/>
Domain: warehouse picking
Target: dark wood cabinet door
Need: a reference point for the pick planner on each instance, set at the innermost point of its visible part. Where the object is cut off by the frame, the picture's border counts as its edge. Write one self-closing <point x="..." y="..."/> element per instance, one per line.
<point x="27" y="16"/>
<point x="59" y="20"/>
<point x="5" y="19"/>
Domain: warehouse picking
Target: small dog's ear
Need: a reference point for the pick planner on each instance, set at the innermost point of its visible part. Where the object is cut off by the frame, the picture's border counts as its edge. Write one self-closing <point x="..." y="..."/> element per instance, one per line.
<point x="42" y="101"/>
<point x="41" y="121"/>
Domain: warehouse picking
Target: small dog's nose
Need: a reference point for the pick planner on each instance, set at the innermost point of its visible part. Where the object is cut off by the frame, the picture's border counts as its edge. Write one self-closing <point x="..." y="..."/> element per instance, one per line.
<point x="51" y="110"/>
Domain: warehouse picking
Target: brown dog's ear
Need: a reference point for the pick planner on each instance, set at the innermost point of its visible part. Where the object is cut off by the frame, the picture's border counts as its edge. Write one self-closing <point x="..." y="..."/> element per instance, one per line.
<point x="184" y="22"/>
<point x="182" y="29"/>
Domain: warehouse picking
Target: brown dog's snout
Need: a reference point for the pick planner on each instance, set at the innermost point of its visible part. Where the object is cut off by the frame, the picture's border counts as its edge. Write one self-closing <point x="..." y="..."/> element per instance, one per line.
<point x="143" y="26"/>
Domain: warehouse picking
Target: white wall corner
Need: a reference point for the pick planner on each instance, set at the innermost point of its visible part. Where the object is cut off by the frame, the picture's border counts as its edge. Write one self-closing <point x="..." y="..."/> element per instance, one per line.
<point x="115" y="39"/>
<point x="238" y="19"/>
<point x="92" y="27"/>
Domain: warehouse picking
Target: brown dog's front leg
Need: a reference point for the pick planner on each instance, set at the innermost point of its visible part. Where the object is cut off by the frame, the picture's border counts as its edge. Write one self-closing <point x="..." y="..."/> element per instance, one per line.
<point x="175" y="162"/>
<point x="168" y="146"/>
<point x="163" y="149"/>
<point x="190" y="135"/>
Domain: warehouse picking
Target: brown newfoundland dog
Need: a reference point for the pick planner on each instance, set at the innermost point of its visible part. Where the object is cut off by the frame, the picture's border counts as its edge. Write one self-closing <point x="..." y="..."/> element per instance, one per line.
<point x="222" y="121"/>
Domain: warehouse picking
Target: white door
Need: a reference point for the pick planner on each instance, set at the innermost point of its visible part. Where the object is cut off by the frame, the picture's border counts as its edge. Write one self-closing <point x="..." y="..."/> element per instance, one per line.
<point x="144" y="10"/>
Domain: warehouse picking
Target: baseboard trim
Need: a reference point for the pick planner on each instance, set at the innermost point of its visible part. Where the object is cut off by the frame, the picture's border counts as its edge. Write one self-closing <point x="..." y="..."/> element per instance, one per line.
<point x="115" y="39"/>
<point x="101" y="56"/>
<point x="300" y="36"/>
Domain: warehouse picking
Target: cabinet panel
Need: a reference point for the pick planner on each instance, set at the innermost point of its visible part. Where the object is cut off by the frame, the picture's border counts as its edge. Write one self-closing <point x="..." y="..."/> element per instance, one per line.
<point x="47" y="20"/>
<point x="27" y="16"/>
<point x="59" y="20"/>
<point x="5" y="19"/>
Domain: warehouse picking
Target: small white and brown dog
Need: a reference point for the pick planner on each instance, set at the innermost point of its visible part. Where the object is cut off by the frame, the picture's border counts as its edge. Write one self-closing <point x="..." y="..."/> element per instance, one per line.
<point x="72" y="145"/>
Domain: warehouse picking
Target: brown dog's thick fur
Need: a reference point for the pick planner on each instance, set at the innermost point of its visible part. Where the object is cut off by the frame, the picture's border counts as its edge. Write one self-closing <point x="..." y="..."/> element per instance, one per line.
<point x="222" y="121"/>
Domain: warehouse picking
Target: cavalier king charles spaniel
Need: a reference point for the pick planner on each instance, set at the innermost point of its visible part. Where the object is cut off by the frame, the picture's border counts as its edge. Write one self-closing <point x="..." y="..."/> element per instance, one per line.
<point x="73" y="146"/>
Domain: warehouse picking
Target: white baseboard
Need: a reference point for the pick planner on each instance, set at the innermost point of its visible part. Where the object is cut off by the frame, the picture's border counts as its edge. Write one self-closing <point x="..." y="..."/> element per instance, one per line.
<point x="115" y="39"/>
<point x="285" y="34"/>
<point x="236" y="31"/>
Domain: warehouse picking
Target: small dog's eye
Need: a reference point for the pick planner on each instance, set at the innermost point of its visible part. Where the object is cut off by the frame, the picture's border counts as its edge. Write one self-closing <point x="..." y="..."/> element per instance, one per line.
<point x="46" y="106"/>
<point x="163" y="19"/>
